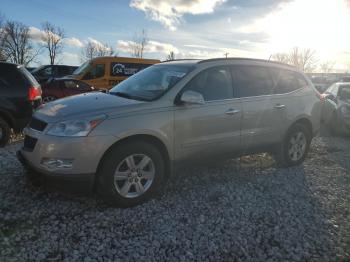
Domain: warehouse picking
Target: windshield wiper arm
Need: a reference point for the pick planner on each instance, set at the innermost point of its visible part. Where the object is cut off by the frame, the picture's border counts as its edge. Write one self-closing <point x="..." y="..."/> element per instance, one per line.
<point x="122" y="94"/>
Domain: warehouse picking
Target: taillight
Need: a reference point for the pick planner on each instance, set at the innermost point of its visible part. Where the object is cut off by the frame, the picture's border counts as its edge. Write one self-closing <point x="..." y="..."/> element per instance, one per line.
<point x="34" y="93"/>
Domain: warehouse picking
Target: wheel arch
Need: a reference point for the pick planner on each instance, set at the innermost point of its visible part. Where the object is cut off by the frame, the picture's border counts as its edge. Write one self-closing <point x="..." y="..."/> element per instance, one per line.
<point x="305" y="122"/>
<point x="158" y="143"/>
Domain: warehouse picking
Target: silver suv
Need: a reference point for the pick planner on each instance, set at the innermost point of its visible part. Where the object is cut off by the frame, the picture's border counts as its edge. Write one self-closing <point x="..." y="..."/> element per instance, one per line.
<point x="126" y="142"/>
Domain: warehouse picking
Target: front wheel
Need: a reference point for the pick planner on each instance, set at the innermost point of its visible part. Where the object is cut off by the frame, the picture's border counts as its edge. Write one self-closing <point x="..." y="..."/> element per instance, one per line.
<point x="130" y="174"/>
<point x="295" y="146"/>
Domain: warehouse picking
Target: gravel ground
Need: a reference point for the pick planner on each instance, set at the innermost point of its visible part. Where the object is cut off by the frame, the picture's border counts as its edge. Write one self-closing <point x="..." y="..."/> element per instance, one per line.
<point x="246" y="210"/>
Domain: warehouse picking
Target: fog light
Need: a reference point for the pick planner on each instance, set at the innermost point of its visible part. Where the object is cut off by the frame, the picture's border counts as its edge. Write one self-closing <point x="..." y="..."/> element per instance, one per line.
<point x="53" y="163"/>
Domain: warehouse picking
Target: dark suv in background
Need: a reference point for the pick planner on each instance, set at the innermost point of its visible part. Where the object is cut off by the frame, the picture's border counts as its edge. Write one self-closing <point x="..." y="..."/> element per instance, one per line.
<point x="44" y="73"/>
<point x="20" y="93"/>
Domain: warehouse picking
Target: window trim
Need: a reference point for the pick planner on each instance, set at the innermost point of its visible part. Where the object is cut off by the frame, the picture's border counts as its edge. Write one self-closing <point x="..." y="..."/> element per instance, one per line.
<point x="268" y="68"/>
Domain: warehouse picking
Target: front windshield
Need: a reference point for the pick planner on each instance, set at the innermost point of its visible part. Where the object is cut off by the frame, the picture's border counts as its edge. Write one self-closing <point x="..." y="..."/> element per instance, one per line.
<point x="82" y="69"/>
<point x="151" y="82"/>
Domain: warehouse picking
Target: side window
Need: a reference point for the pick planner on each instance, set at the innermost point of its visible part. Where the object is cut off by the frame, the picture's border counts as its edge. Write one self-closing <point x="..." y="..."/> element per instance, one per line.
<point x="63" y="70"/>
<point x="47" y="71"/>
<point x="214" y="84"/>
<point x="70" y="84"/>
<point x="251" y="81"/>
<point x="96" y="71"/>
<point x="82" y="85"/>
<point x="287" y="81"/>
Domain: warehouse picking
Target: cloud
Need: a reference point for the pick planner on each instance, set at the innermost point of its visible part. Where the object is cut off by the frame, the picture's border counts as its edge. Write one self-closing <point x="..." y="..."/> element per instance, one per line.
<point x="95" y="42"/>
<point x="73" y="42"/>
<point x="290" y="25"/>
<point x="170" y="12"/>
<point x="151" y="47"/>
<point x="36" y="34"/>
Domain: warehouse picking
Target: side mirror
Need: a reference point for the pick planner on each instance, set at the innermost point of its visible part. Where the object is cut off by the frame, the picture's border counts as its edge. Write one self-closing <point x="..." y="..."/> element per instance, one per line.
<point x="192" y="97"/>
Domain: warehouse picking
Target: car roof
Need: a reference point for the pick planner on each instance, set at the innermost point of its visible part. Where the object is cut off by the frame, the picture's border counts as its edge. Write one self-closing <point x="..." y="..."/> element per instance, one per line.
<point x="343" y="83"/>
<point x="230" y="59"/>
<point x="8" y="63"/>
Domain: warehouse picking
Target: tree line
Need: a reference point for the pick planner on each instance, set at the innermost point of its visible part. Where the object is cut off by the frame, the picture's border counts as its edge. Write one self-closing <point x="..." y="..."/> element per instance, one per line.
<point x="18" y="46"/>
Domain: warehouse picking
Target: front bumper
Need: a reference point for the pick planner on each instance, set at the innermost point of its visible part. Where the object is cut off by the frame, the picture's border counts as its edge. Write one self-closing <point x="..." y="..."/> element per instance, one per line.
<point x="77" y="182"/>
<point x="85" y="153"/>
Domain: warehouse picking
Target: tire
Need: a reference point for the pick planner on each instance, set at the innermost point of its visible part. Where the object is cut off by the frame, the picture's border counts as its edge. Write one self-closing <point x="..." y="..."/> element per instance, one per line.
<point x="5" y="132"/>
<point x="48" y="99"/>
<point x="295" y="146"/>
<point x="134" y="184"/>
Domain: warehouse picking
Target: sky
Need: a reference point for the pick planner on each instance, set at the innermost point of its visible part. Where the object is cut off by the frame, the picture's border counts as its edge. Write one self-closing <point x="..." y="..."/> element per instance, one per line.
<point x="194" y="28"/>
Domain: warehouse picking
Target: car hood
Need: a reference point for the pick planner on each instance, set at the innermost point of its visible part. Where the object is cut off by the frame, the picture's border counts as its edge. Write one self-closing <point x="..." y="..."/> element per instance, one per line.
<point x="94" y="103"/>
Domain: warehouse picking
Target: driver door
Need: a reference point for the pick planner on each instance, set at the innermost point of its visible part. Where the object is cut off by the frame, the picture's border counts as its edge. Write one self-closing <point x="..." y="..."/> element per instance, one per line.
<point x="212" y="128"/>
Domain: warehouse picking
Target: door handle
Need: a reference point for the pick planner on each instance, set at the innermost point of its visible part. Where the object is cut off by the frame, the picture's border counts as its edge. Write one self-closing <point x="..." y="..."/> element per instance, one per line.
<point x="232" y="111"/>
<point x="279" y="106"/>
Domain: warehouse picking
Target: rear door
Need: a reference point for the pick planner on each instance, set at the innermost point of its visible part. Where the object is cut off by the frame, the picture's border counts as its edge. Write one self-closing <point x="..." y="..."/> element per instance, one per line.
<point x="263" y="115"/>
<point x="212" y="128"/>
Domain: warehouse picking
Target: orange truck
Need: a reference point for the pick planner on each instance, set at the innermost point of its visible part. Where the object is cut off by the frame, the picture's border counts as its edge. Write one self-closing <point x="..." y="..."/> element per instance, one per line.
<point x="106" y="72"/>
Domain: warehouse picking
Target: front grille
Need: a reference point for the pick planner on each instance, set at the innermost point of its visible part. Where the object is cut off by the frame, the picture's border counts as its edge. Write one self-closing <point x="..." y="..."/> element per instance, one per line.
<point x="37" y="124"/>
<point x="29" y="143"/>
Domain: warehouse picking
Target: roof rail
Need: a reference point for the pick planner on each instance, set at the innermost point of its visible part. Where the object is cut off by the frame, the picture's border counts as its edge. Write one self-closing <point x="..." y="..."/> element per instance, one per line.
<point x="183" y="59"/>
<point x="242" y="58"/>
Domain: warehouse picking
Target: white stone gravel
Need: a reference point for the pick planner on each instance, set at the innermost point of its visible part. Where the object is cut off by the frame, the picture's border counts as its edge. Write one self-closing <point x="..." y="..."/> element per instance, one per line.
<point x="228" y="212"/>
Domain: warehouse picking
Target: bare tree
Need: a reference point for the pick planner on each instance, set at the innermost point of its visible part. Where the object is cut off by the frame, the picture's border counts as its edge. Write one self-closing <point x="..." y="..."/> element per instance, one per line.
<point x="281" y="57"/>
<point x="303" y="59"/>
<point x="53" y="40"/>
<point x="139" y="44"/>
<point x="92" y="50"/>
<point x="2" y="37"/>
<point x="171" y="56"/>
<point x="327" y="67"/>
<point x="17" y="46"/>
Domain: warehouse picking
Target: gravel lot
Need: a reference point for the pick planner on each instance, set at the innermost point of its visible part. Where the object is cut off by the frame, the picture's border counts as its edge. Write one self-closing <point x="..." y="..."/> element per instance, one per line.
<point x="244" y="210"/>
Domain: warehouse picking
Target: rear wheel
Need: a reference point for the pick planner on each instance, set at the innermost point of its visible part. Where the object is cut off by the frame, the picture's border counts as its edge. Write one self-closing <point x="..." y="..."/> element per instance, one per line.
<point x="48" y="99"/>
<point x="295" y="146"/>
<point x="130" y="174"/>
<point x="5" y="131"/>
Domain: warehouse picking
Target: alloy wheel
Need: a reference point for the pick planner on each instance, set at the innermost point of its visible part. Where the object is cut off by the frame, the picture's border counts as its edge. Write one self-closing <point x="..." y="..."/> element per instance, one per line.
<point x="134" y="175"/>
<point x="297" y="146"/>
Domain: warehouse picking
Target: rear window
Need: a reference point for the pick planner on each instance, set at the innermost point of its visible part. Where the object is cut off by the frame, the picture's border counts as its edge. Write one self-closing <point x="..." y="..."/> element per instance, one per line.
<point x="10" y="76"/>
<point x="287" y="81"/>
<point x="251" y="81"/>
<point x="30" y="78"/>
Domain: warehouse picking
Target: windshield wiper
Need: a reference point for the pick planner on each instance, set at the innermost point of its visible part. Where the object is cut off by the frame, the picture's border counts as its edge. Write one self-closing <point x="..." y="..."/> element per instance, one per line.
<point x="122" y="94"/>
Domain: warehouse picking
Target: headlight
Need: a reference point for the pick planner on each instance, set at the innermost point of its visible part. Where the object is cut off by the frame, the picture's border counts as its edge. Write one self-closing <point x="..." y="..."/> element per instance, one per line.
<point x="345" y="110"/>
<point x="75" y="127"/>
